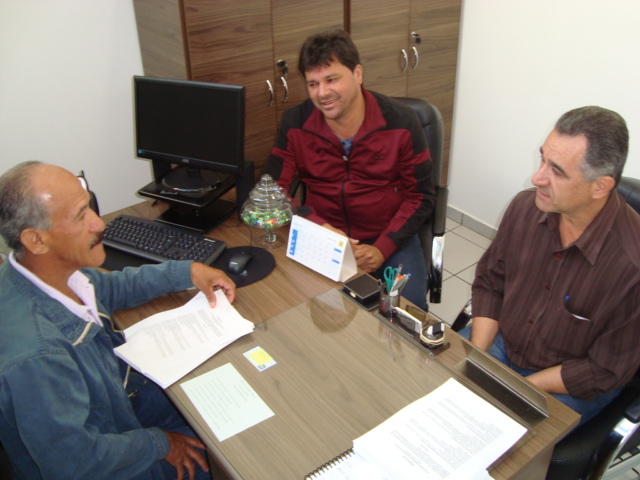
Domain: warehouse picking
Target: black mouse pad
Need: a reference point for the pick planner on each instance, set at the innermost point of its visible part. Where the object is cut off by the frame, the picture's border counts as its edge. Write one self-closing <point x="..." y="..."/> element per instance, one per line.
<point x="260" y="265"/>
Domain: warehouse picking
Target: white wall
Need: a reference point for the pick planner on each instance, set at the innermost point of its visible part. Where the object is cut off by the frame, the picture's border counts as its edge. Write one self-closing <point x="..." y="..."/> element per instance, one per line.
<point x="521" y="65"/>
<point x="65" y="91"/>
<point x="66" y="67"/>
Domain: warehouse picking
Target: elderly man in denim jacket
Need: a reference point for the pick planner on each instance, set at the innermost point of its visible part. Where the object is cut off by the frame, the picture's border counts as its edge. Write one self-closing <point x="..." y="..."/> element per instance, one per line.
<point x="64" y="396"/>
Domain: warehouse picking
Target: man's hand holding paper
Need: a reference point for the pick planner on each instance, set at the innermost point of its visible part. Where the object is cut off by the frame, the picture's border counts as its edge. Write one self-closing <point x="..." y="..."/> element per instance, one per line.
<point x="170" y="344"/>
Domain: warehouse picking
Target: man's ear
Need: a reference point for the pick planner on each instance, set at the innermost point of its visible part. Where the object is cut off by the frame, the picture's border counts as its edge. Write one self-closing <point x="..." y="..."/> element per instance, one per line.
<point x="358" y="72"/>
<point x="33" y="241"/>
<point x="603" y="186"/>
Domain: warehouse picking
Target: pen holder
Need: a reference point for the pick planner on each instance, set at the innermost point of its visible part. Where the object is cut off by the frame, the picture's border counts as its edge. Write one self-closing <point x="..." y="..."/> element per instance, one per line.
<point x="388" y="300"/>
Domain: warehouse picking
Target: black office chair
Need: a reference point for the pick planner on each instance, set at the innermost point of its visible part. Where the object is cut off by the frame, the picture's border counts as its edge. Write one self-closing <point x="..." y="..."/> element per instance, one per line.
<point x="431" y="233"/>
<point x="609" y="443"/>
<point x="93" y="200"/>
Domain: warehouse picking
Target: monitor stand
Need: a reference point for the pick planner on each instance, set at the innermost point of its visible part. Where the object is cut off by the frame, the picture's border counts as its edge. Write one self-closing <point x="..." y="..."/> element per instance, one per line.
<point x="192" y="181"/>
<point x="199" y="211"/>
<point x="199" y="219"/>
<point x="195" y="208"/>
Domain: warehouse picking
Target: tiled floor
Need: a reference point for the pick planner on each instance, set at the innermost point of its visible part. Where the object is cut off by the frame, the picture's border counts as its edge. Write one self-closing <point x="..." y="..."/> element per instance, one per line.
<point x="462" y="250"/>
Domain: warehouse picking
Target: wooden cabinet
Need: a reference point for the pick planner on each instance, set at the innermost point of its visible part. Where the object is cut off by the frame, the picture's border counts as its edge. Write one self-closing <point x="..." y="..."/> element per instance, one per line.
<point x="407" y="48"/>
<point x="248" y="42"/>
<point x="410" y="48"/>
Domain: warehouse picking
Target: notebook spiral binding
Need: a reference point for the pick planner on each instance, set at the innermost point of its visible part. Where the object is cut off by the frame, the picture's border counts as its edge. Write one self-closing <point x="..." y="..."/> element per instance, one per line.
<point x="329" y="465"/>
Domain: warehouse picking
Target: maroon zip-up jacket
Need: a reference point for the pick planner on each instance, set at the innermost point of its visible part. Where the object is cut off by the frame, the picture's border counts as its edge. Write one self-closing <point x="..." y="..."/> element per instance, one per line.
<point x="381" y="192"/>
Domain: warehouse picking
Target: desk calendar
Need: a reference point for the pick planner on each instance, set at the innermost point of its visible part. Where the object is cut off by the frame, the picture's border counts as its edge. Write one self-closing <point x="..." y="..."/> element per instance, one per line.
<point x="321" y="249"/>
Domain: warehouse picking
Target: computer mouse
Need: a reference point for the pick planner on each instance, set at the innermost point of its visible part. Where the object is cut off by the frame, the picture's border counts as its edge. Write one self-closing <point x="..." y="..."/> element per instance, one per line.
<point x="238" y="262"/>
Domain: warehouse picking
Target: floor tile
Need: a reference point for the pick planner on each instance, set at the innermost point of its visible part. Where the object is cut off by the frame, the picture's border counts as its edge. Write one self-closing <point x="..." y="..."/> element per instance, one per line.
<point x="630" y="475"/>
<point x="468" y="274"/>
<point x="455" y="294"/>
<point x="472" y="236"/>
<point x="450" y="224"/>
<point x="460" y="253"/>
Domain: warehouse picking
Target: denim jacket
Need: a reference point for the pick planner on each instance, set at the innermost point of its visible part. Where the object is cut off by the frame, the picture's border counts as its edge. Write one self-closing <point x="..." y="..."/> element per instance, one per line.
<point x="64" y="411"/>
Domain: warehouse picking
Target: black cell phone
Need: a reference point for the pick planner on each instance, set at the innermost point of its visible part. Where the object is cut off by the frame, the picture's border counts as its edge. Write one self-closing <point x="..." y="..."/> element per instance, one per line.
<point x="364" y="289"/>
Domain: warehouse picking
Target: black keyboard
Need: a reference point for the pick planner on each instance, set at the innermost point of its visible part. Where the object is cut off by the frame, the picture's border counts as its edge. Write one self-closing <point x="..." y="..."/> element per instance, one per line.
<point x="158" y="242"/>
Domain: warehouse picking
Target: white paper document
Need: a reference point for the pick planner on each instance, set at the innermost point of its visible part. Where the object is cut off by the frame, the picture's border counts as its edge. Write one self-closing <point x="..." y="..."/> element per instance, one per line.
<point x="451" y="434"/>
<point x="168" y="345"/>
<point x="226" y="401"/>
<point x="321" y="249"/>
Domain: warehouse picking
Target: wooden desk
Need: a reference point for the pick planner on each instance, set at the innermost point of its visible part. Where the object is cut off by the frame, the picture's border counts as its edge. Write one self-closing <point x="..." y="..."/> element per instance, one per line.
<point x="340" y="373"/>
<point x="286" y="286"/>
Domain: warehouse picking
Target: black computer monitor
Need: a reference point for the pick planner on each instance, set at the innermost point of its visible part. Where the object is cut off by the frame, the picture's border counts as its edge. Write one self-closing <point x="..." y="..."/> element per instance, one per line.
<point x="196" y="127"/>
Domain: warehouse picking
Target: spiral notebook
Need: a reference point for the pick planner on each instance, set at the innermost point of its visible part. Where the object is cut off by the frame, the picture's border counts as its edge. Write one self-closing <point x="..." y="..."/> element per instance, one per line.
<point x="346" y="465"/>
<point x="451" y="433"/>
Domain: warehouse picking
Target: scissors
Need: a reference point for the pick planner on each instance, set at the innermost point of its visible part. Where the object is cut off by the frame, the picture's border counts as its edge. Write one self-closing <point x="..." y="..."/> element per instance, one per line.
<point x="390" y="275"/>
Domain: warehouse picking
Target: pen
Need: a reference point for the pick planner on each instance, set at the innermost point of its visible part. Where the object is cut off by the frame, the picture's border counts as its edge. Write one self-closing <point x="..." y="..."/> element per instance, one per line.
<point x="403" y="281"/>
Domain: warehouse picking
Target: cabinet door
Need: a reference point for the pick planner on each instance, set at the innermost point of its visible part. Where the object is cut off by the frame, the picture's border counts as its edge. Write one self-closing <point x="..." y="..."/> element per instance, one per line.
<point x="380" y="30"/>
<point x="248" y="43"/>
<point x="160" y="36"/>
<point x="436" y="23"/>
<point x="229" y="41"/>
<point x="293" y="22"/>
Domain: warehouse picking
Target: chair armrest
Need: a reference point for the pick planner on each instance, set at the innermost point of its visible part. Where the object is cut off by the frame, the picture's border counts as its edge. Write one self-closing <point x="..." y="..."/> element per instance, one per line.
<point x="437" y="269"/>
<point x="620" y="440"/>
<point x="438" y="225"/>
<point x="589" y="448"/>
<point x="295" y="184"/>
<point x="298" y="190"/>
<point x="632" y="412"/>
<point x="440" y="211"/>
<point x="463" y="318"/>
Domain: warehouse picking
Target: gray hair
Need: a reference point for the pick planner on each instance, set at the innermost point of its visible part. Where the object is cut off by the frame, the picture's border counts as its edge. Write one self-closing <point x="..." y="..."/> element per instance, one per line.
<point x="20" y="207"/>
<point x="607" y="140"/>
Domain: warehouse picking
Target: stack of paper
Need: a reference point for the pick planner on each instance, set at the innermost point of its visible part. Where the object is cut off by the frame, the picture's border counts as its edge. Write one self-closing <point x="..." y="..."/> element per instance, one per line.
<point x="168" y="345"/>
<point x="450" y="434"/>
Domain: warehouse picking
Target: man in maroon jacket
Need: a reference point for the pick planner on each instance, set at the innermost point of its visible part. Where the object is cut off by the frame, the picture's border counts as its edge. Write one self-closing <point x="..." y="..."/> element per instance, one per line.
<point x="363" y="158"/>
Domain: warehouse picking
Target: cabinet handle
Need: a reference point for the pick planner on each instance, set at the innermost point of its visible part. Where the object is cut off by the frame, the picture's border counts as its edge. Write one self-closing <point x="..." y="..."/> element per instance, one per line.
<point x="406" y="60"/>
<point x="286" y="89"/>
<point x="285" y="67"/>
<point x="416" y="39"/>
<point x="270" y="87"/>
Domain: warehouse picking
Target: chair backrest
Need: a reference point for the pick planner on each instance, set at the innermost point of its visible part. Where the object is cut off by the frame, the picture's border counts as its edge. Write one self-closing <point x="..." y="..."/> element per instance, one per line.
<point x="431" y="120"/>
<point x="93" y="200"/>
<point x="629" y="188"/>
<point x="431" y="232"/>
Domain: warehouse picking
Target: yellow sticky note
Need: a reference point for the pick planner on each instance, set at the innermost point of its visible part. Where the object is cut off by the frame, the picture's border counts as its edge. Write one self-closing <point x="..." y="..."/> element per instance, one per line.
<point x="260" y="358"/>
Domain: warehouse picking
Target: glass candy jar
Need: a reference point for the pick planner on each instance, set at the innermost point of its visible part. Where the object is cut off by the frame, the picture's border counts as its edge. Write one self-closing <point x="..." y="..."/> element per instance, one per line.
<point x="267" y="208"/>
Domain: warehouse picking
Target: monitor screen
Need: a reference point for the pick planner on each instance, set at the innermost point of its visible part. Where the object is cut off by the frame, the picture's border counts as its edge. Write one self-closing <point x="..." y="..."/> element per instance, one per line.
<point x="193" y="124"/>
